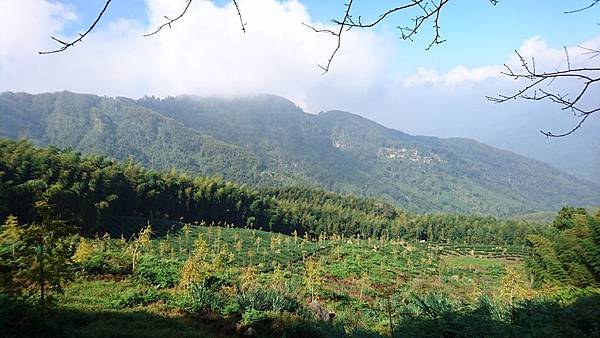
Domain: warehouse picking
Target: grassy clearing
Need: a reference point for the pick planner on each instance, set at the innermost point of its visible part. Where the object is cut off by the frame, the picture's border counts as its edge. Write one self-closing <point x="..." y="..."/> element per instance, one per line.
<point x="365" y="282"/>
<point x="473" y="262"/>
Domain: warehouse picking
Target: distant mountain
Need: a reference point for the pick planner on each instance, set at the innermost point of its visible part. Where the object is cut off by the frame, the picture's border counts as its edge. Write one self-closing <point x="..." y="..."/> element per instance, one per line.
<point x="269" y="141"/>
<point x="578" y="154"/>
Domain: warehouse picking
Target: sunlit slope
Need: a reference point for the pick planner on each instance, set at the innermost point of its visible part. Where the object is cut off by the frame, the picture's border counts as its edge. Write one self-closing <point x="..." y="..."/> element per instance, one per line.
<point x="269" y="141"/>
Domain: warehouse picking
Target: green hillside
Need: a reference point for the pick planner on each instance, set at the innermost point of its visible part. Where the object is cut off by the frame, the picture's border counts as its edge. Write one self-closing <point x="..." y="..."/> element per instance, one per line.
<point x="93" y="192"/>
<point x="273" y="285"/>
<point x="92" y="247"/>
<point x="268" y="141"/>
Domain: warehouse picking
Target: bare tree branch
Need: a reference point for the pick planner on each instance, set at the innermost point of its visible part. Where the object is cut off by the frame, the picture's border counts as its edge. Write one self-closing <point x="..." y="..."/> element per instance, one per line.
<point x="66" y="45"/>
<point x="384" y="15"/>
<point x="592" y="4"/>
<point x="426" y="10"/>
<point x="567" y="57"/>
<point x="237" y="8"/>
<point x="346" y="22"/>
<point x="534" y="91"/>
<point x="170" y="21"/>
<point x="590" y="51"/>
<point x="185" y="9"/>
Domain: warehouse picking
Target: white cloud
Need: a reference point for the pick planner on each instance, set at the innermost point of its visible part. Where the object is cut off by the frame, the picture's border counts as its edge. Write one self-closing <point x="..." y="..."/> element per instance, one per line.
<point x="535" y="48"/>
<point x="455" y="77"/>
<point x="453" y="103"/>
<point x="205" y="53"/>
<point x="26" y="26"/>
<point x="26" y="23"/>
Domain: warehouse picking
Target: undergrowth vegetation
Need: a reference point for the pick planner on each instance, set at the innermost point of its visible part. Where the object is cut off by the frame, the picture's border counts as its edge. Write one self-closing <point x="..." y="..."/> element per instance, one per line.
<point x="330" y="266"/>
<point x="206" y="280"/>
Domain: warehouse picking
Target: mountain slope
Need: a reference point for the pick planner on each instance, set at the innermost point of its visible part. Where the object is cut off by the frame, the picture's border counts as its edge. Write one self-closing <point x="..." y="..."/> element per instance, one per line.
<point x="267" y="140"/>
<point x="578" y="154"/>
<point x="119" y="128"/>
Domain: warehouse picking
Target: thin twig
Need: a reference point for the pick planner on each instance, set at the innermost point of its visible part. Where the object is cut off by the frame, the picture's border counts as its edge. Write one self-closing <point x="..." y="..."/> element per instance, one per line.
<point x="239" y="13"/>
<point x="337" y="34"/>
<point x="590" y="51"/>
<point x="66" y="45"/>
<point x="592" y="4"/>
<point x="589" y="75"/>
<point x="170" y="21"/>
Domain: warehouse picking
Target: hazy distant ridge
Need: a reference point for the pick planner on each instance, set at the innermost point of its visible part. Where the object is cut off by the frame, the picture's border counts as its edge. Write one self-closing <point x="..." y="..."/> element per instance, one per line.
<point x="267" y="140"/>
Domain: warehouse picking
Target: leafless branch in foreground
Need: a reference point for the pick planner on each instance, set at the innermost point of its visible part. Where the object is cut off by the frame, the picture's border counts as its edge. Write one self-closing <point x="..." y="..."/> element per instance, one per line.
<point x="338" y="34"/>
<point x="425" y="10"/>
<point x="588" y="76"/>
<point x="539" y="88"/>
<point x="66" y="45"/>
<point x="592" y="4"/>
<point x="239" y="13"/>
<point x="170" y="21"/>
<point x="185" y="9"/>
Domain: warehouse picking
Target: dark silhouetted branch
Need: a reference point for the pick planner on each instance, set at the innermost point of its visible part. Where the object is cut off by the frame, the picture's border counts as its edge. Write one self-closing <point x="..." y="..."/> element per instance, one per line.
<point x="426" y="10"/>
<point x="540" y="88"/>
<point x="592" y="4"/>
<point x="346" y="22"/>
<point x="66" y="45"/>
<point x="239" y="13"/>
<point x="589" y="51"/>
<point x="185" y="9"/>
<point x="170" y="21"/>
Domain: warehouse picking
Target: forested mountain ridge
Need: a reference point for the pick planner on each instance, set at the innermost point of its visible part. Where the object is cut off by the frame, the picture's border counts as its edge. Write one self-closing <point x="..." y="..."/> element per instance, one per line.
<point x="119" y="128"/>
<point x="91" y="192"/>
<point x="269" y="141"/>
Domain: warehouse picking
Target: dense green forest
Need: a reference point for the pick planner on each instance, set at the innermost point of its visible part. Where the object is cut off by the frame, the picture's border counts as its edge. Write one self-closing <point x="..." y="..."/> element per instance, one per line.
<point x="93" y="247"/>
<point x="571" y="256"/>
<point x="267" y="141"/>
<point x="88" y="191"/>
<point x="207" y="281"/>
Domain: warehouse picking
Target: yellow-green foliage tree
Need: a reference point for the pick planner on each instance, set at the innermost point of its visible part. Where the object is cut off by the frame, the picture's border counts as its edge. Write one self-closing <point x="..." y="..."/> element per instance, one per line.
<point x="35" y="258"/>
<point x="198" y="267"/>
<point x="313" y="276"/>
<point x="513" y="286"/>
<point x="84" y="251"/>
<point x="364" y="283"/>
<point x="142" y="243"/>
<point x="12" y="249"/>
<point x="186" y="230"/>
<point x="278" y="280"/>
<point x="247" y="279"/>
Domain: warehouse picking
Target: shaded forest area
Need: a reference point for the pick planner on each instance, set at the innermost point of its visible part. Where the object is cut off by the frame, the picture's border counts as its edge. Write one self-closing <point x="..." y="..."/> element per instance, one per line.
<point x="205" y="258"/>
<point x="86" y="191"/>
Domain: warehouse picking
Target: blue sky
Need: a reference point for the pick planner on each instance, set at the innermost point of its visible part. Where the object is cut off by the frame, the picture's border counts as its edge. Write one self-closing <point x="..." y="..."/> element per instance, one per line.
<point x="438" y="92"/>
<point x="477" y="32"/>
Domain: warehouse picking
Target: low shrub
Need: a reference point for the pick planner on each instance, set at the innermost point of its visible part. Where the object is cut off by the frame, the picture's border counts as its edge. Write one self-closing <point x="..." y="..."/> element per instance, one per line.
<point x="200" y="298"/>
<point x="161" y="273"/>
<point x="267" y="300"/>
<point x="133" y="298"/>
<point x="106" y="262"/>
<point x="252" y="316"/>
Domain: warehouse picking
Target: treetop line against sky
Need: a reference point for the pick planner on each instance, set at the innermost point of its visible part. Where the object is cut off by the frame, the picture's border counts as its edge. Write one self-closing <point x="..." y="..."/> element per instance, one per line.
<point x="375" y="73"/>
